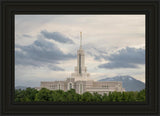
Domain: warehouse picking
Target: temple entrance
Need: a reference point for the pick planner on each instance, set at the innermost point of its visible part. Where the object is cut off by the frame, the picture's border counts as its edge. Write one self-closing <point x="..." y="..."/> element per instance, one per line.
<point x="70" y="86"/>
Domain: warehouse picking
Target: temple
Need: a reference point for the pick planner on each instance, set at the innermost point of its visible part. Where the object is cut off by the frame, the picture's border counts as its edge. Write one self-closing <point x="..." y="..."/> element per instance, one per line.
<point x="80" y="79"/>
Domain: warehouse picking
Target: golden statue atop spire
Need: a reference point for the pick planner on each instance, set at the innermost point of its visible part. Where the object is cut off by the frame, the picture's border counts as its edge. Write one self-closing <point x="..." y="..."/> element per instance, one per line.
<point x="80" y="40"/>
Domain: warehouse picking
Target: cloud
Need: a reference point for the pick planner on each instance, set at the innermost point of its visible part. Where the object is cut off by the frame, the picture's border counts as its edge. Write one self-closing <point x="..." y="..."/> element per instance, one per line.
<point x="40" y="53"/>
<point x="25" y="35"/>
<point x="97" y="54"/>
<point x="125" y="58"/>
<point x="121" y="31"/>
<point x="55" y="68"/>
<point x="56" y="36"/>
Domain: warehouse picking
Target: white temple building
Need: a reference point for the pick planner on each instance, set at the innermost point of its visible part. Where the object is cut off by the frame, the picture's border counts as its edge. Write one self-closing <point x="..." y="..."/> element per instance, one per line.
<point x="80" y="79"/>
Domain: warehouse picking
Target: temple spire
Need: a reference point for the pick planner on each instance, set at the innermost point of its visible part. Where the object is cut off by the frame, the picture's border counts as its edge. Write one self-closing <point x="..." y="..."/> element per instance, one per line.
<point x="80" y="40"/>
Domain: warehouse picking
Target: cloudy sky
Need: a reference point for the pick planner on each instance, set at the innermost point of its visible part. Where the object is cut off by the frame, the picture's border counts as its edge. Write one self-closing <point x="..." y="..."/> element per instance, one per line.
<point x="46" y="46"/>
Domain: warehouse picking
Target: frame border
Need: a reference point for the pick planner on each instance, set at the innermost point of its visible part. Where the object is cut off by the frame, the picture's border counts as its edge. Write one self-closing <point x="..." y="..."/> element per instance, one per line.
<point x="148" y="7"/>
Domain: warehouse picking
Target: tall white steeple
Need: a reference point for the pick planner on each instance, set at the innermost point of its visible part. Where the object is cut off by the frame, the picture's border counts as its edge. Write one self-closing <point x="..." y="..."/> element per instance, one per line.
<point x="80" y="69"/>
<point x="80" y="40"/>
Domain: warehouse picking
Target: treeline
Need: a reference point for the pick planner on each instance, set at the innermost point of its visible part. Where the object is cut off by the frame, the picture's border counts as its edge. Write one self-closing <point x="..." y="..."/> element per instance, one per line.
<point x="31" y="95"/>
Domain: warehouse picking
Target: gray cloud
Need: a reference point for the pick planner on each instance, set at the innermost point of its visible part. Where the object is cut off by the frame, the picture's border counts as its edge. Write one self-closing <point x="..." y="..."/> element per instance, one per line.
<point x="97" y="57"/>
<point x="94" y="52"/>
<point x="56" y="36"/>
<point x="41" y="53"/>
<point x="125" y="58"/>
<point x="56" y="68"/>
<point x="25" y="35"/>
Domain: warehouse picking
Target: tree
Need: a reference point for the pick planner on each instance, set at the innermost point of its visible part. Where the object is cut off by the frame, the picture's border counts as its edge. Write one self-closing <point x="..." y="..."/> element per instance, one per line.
<point x="25" y="95"/>
<point x="97" y="97"/>
<point x="43" y="95"/>
<point x="87" y="97"/>
<point x="31" y="94"/>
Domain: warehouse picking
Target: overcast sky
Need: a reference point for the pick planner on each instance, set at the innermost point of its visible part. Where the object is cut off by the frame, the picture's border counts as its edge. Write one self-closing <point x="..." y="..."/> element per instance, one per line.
<point x="46" y="46"/>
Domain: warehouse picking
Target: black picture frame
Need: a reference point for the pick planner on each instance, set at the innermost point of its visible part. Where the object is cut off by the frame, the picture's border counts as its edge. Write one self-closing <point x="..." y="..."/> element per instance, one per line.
<point x="11" y="7"/>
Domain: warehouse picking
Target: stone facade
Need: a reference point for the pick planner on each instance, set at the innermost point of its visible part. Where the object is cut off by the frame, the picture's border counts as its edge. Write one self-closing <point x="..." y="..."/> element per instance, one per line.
<point x="82" y="86"/>
<point x="80" y="80"/>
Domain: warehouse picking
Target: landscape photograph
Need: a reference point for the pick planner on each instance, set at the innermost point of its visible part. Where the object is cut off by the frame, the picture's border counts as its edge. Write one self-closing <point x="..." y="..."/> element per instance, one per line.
<point x="80" y="58"/>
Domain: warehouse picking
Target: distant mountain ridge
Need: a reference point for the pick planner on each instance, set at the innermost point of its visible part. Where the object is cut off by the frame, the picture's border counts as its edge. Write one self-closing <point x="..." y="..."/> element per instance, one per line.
<point x="128" y="82"/>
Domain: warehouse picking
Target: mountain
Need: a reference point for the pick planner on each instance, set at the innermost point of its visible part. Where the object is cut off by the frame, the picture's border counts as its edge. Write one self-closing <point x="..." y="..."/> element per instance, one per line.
<point x="128" y="82"/>
<point x="21" y="87"/>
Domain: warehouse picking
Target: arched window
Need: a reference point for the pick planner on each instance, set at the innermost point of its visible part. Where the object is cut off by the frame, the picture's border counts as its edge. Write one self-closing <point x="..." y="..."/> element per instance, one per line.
<point x="80" y="71"/>
<point x="59" y="86"/>
<point x="80" y="88"/>
<point x="70" y="86"/>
